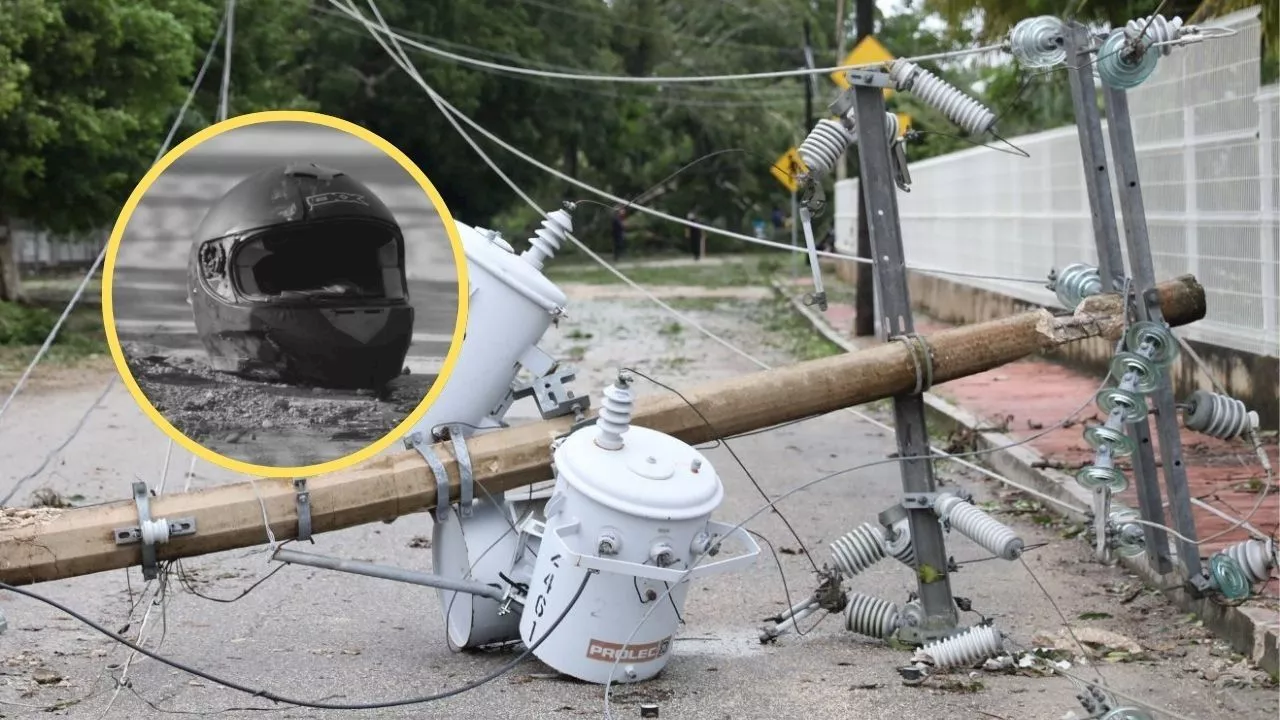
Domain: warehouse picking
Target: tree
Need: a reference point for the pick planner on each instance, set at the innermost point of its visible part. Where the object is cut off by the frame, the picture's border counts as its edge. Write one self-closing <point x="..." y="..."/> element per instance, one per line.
<point x="85" y="87"/>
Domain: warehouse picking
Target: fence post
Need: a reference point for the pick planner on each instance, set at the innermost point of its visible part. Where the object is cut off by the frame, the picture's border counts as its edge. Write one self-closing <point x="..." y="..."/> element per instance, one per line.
<point x="1269" y="233"/>
<point x="1191" y="219"/>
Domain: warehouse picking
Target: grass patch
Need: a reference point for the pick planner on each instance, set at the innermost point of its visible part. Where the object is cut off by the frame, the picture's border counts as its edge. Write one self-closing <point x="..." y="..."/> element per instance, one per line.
<point x="672" y="328"/>
<point x="731" y="274"/>
<point x="674" y="364"/>
<point x="23" y="329"/>
<point x="698" y="304"/>
<point x="791" y="331"/>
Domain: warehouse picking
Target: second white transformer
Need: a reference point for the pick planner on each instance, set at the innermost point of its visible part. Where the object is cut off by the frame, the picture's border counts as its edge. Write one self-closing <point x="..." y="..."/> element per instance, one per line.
<point x="634" y="505"/>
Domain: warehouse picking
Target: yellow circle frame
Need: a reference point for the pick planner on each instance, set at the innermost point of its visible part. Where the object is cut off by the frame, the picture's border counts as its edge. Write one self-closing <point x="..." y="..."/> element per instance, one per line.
<point x="459" y="329"/>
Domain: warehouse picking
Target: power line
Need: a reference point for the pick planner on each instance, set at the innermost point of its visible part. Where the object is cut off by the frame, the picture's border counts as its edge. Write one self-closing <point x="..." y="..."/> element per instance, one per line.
<point x="765" y="97"/>
<point x="650" y="80"/>
<point x="224" y="93"/>
<point x="450" y="109"/>
<point x="268" y="695"/>
<point x="441" y="103"/>
<point x="326" y="14"/>
<point x="647" y="29"/>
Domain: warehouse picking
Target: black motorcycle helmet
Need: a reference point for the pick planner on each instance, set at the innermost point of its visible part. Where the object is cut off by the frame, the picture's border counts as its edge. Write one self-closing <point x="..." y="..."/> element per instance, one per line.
<point x="298" y="274"/>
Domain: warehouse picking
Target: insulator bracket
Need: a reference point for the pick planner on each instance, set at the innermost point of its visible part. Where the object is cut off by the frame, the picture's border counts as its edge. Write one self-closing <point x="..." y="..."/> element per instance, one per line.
<point x="552" y="397"/>
<point x="869" y="78"/>
<point x="302" y="499"/>
<point x="151" y="532"/>
<point x="919" y="501"/>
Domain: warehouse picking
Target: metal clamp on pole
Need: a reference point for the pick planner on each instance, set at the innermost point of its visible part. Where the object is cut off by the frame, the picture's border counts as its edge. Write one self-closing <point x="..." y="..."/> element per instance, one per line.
<point x="303" y="497"/>
<point x="419" y="441"/>
<point x="466" y="478"/>
<point x="921" y="357"/>
<point x="442" y="480"/>
<point x="151" y="532"/>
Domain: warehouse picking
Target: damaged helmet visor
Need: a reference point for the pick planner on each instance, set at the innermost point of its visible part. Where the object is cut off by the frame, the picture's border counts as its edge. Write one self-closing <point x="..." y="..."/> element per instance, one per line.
<point x="336" y="261"/>
<point x="310" y="300"/>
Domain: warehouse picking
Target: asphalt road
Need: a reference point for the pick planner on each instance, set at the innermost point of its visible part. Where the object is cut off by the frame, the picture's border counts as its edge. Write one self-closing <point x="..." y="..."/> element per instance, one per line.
<point x="316" y="634"/>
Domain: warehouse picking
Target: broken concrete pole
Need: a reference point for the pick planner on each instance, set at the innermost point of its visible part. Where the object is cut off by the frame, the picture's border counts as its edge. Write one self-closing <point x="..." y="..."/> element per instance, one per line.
<point x="62" y="544"/>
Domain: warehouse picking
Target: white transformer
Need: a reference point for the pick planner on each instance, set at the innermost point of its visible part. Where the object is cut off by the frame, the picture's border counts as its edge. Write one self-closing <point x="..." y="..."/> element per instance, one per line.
<point x="634" y="505"/>
<point x="485" y="547"/>
<point x="511" y="306"/>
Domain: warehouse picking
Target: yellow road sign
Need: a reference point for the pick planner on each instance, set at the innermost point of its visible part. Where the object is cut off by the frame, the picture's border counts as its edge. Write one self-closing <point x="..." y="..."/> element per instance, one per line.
<point x="786" y="168"/>
<point x="868" y="51"/>
<point x="904" y="123"/>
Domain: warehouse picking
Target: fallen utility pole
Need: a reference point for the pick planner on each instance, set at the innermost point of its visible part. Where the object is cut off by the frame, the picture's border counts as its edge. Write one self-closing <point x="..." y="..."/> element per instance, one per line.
<point x="81" y="541"/>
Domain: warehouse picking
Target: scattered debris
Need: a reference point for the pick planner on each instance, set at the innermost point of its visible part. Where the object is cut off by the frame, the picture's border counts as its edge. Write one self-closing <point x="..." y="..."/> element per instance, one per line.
<point x="420" y="542"/>
<point x="914" y="674"/>
<point x="45" y="676"/>
<point x="866" y="686"/>
<point x="1093" y="642"/>
<point x="998" y="664"/>
<point x="958" y="685"/>
<point x="208" y="406"/>
<point x="11" y="517"/>
<point x="50" y="498"/>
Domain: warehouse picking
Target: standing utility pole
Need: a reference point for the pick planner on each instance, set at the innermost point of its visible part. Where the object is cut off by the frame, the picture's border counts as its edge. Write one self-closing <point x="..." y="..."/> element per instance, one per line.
<point x="937" y="615"/>
<point x="864" y="320"/>
<point x="842" y="170"/>
<point x="808" y="80"/>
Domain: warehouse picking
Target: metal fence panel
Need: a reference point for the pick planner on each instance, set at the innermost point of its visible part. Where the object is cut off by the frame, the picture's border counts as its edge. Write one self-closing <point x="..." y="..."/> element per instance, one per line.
<point x="1208" y="143"/>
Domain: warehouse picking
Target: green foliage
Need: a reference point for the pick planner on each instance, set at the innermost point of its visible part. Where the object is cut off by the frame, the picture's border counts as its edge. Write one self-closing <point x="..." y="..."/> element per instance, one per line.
<point x="86" y="87"/>
<point x="24" y="325"/>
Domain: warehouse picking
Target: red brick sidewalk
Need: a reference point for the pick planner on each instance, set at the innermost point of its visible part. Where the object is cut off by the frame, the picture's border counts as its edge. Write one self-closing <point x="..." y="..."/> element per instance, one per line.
<point x="1033" y="394"/>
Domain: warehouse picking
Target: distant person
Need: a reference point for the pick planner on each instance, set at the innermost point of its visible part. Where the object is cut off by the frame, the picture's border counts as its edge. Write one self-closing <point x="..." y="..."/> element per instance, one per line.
<point x="779" y="220"/>
<point x="695" y="237"/>
<point x="619" y="234"/>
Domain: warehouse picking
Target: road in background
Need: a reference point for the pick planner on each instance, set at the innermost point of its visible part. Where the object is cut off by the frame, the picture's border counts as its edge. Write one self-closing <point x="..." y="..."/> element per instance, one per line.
<point x="149" y="291"/>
